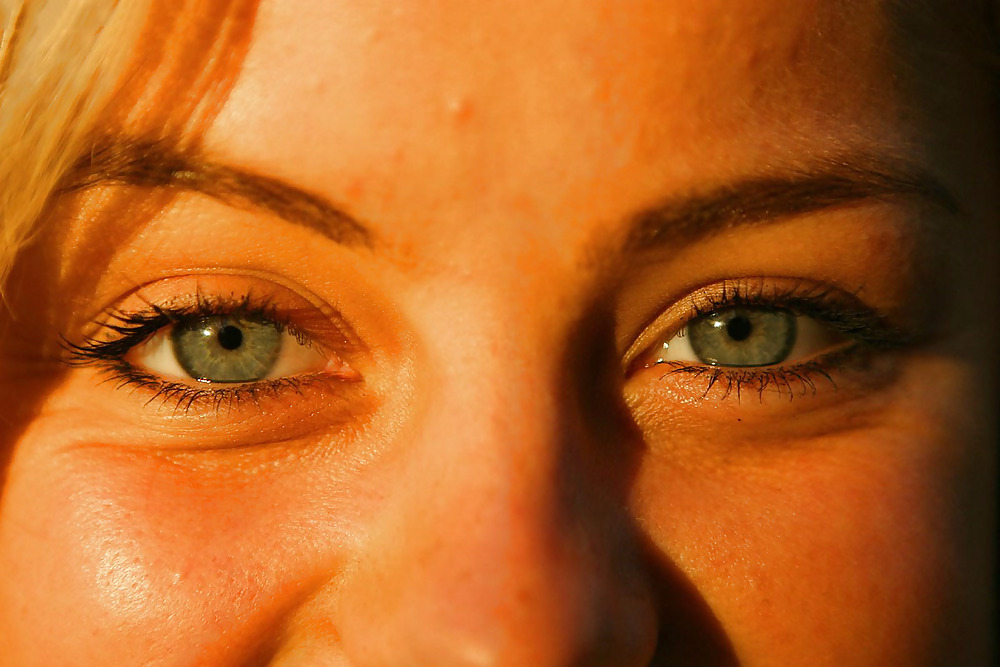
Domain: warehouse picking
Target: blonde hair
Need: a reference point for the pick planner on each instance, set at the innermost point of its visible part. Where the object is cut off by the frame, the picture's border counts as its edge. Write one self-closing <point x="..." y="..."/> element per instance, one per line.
<point x="60" y="62"/>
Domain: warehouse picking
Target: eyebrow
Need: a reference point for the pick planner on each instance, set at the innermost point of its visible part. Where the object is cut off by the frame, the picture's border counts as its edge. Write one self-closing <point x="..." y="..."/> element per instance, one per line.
<point x="785" y="194"/>
<point x="678" y="220"/>
<point x="157" y="164"/>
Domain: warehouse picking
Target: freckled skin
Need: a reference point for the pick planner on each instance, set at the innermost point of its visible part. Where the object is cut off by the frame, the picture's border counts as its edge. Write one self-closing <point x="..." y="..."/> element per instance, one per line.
<point x="495" y="492"/>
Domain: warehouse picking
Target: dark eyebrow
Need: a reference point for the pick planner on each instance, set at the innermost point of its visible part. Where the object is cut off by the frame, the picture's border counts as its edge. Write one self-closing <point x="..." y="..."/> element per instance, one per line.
<point x="676" y="220"/>
<point x="826" y="185"/>
<point x="158" y="164"/>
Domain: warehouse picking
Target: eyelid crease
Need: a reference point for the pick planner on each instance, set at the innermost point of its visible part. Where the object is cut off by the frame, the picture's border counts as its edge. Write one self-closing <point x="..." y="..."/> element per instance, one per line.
<point x="133" y="328"/>
<point x="184" y="289"/>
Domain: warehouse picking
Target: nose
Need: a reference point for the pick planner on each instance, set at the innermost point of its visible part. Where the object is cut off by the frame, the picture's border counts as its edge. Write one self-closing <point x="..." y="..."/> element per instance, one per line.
<point x="506" y="540"/>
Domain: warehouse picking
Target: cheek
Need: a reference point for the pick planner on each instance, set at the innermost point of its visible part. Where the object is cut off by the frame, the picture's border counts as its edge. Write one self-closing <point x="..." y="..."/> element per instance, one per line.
<point x="155" y="556"/>
<point x="849" y="549"/>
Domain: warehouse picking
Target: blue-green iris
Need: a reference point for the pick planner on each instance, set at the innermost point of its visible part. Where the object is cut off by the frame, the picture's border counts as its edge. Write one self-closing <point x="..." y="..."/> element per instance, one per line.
<point x="743" y="336"/>
<point x="226" y="349"/>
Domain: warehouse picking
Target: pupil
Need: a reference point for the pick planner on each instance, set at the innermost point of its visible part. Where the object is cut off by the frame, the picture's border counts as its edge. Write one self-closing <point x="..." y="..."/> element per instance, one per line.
<point x="230" y="337"/>
<point x="739" y="328"/>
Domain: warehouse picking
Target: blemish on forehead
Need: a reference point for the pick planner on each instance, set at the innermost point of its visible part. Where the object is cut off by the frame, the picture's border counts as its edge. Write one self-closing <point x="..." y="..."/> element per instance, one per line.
<point x="460" y="109"/>
<point x="354" y="189"/>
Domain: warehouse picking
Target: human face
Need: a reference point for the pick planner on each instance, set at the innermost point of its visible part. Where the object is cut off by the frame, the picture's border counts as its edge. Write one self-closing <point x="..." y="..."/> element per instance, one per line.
<point x="480" y="459"/>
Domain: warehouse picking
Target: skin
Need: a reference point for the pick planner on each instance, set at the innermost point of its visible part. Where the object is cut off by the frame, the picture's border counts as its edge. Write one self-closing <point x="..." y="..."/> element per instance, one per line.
<point x="498" y="487"/>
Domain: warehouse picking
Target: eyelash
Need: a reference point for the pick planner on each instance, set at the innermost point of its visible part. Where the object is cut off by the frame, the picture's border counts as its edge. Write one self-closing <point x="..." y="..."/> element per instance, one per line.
<point x="127" y="330"/>
<point x="796" y="380"/>
<point x="866" y="330"/>
<point x="843" y="312"/>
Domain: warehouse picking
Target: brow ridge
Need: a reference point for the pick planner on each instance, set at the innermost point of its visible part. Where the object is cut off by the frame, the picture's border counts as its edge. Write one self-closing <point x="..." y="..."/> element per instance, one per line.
<point x="679" y="220"/>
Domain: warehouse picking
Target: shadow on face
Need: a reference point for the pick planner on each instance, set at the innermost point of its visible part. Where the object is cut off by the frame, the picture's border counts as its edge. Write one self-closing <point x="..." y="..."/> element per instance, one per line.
<point x="502" y="481"/>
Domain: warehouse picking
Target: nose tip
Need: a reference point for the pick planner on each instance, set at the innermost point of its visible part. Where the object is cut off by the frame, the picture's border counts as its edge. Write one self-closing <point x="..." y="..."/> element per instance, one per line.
<point x="506" y="557"/>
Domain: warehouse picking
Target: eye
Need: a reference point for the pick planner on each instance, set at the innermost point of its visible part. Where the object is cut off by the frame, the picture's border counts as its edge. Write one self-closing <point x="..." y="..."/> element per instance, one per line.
<point x="745" y="337"/>
<point x="226" y="345"/>
<point x="227" y="349"/>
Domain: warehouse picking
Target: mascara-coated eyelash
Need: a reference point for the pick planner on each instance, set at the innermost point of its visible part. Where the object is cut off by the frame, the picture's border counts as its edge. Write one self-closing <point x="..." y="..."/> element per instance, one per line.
<point x="221" y="330"/>
<point x="120" y="331"/>
<point x="854" y="332"/>
<point x="840" y="310"/>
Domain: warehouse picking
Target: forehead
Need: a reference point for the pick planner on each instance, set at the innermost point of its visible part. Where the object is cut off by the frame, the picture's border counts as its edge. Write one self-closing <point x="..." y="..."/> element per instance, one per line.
<point x="460" y="113"/>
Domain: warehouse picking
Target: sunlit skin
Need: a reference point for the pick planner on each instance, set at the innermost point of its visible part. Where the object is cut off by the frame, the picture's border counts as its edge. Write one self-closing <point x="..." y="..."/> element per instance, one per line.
<point x="502" y="479"/>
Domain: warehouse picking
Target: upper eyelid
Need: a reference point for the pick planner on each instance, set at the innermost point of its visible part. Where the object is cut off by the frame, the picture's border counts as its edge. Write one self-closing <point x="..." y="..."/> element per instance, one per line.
<point x="163" y="291"/>
<point x="134" y="328"/>
<point x="683" y="310"/>
<point x="269" y="301"/>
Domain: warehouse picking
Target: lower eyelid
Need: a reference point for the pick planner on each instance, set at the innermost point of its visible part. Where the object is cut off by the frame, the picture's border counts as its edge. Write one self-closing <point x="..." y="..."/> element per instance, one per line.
<point x="721" y="383"/>
<point x="236" y="408"/>
<point x="848" y="374"/>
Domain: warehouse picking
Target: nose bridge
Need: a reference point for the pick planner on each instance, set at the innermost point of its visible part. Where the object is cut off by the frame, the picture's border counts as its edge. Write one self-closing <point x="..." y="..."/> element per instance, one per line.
<point x="502" y="547"/>
<point x="514" y="484"/>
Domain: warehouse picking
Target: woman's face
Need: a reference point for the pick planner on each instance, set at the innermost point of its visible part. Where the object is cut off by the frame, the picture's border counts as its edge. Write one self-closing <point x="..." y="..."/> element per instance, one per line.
<point x="571" y="333"/>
